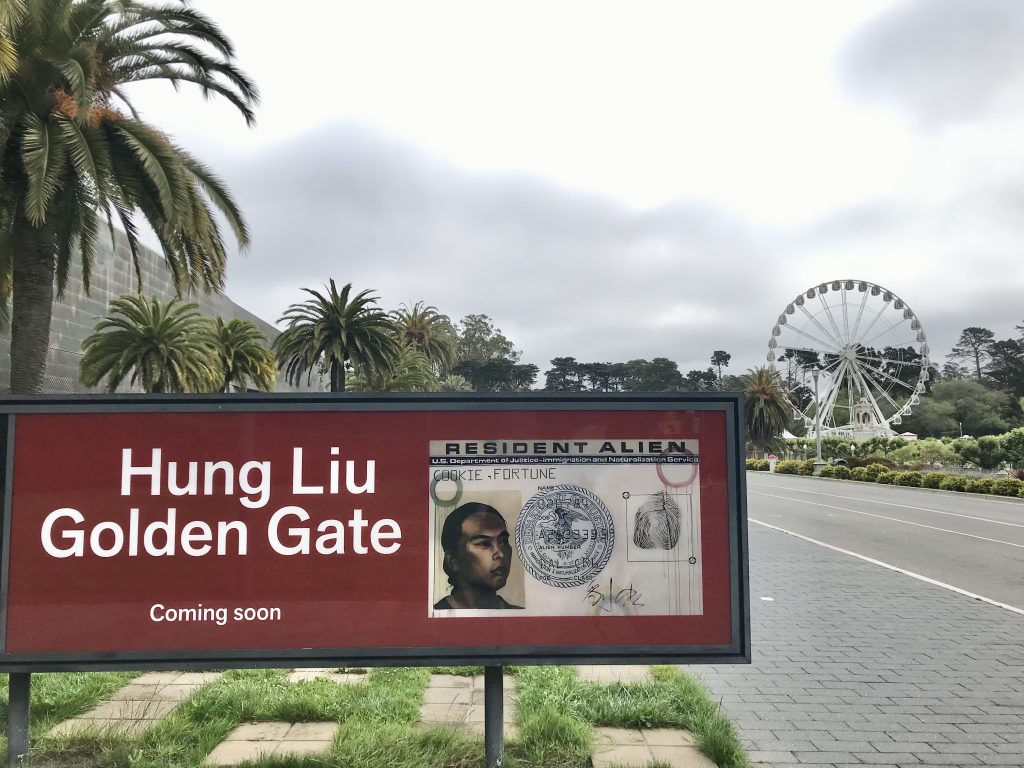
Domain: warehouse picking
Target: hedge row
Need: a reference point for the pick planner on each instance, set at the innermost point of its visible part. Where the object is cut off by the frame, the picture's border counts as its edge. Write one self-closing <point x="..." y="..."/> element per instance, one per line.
<point x="879" y="473"/>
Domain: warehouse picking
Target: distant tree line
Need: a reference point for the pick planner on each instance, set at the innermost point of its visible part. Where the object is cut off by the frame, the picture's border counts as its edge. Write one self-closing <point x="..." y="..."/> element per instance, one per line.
<point x="660" y="374"/>
<point x="978" y="391"/>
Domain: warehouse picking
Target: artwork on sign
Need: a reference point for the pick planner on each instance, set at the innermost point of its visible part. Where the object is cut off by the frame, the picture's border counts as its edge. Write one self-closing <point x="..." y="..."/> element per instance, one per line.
<point x="565" y="527"/>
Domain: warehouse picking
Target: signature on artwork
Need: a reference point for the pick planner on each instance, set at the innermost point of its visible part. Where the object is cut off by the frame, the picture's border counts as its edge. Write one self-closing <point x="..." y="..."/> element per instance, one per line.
<point x="609" y="599"/>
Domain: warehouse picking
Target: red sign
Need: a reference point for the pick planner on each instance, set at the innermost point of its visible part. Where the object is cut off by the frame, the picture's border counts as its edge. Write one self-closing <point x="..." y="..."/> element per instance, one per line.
<point x="374" y="530"/>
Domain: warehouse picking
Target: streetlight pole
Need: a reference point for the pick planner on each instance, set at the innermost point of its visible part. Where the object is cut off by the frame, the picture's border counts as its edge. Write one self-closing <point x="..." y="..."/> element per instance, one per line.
<point x="818" y="463"/>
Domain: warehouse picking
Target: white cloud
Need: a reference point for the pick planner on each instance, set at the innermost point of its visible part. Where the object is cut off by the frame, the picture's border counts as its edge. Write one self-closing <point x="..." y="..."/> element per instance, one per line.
<point x="614" y="181"/>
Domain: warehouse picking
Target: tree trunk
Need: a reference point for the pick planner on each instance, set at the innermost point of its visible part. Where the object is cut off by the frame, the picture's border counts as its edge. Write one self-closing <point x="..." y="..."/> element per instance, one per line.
<point x="31" y="304"/>
<point x="337" y="376"/>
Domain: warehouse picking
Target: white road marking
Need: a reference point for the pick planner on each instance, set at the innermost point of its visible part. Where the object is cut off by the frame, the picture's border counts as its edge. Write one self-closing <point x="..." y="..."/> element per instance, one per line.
<point x="896" y="568"/>
<point x="893" y="519"/>
<point x="886" y="503"/>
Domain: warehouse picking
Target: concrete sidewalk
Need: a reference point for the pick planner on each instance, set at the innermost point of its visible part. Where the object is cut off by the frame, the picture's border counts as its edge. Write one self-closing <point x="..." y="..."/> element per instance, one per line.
<point x="855" y="664"/>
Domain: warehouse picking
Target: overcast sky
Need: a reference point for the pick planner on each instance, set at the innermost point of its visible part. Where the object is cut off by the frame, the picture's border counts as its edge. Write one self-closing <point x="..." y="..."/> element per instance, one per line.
<point x="618" y="180"/>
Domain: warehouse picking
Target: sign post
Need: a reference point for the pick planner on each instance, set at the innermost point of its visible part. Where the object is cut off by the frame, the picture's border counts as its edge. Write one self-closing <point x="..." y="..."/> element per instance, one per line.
<point x="159" y="532"/>
<point x="494" y="716"/>
<point x="18" y="689"/>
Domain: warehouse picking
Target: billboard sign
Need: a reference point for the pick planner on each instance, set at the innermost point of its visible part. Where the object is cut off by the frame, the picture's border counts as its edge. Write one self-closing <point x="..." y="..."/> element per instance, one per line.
<point x="273" y="530"/>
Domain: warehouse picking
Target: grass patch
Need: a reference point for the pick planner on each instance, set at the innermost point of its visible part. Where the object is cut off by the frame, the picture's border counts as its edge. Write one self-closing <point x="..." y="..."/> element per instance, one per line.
<point x="673" y="700"/>
<point x="379" y="718"/>
<point x="56" y="696"/>
<point x="556" y="711"/>
<point x="552" y="732"/>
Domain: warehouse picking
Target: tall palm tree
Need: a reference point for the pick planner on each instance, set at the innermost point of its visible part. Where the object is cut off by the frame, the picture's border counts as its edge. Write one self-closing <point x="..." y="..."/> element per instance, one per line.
<point x="430" y="332"/>
<point x="412" y="372"/>
<point x="333" y="329"/>
<point x="73" y="151"/>
<point x="766" y="410"/>
<point x="243" y="355"/>
<point x="161" y="346"/>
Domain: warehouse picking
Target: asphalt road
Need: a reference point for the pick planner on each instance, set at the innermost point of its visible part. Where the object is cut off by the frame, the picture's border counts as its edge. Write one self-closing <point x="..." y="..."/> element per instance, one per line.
<point x="969" y="542"/>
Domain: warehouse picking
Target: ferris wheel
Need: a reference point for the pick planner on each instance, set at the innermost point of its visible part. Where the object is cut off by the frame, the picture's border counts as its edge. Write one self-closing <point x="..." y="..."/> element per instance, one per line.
<point x="851" y="353"/>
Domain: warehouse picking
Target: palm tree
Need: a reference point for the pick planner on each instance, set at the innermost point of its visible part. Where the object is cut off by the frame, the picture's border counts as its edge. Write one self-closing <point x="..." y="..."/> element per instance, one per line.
<point x="412" y="372"/>
<point x="430" y="332"/>
<point x="70" y="155"/>
<point x="162" y="347"/>
<point x="243" y="355"/>
<point x="332" y="330"/>
<point x="766" y="409"/>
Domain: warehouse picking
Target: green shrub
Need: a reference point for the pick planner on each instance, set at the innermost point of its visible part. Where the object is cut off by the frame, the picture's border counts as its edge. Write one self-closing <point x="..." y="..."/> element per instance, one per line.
<point x="886" y="478"/>
<point x="980" y="485"/>
<point x="874" y="470"/>
<point x="806" y="467"/>
<point x="1021" y="492"/>
<point x="840" y="472"/>
<point x="860" y="473"/>
<point x="789" y="467"/>
<point x="953" y="483"/>
<point x="909" y="479"/>
<point x="1007" y="486"/>
<point x="757" y="465"/>
<point x="933" y="479"/>
<point x="828" y="471"/>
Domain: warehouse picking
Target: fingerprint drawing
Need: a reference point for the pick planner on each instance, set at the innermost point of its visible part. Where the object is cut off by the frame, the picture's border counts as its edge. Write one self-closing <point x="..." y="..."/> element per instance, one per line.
<point x="657" y="523"/>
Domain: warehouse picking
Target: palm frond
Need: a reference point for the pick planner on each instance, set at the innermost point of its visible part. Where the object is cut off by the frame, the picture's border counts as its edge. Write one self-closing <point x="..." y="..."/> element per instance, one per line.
<point x="42" y="156"/>
<point x="152" y="152"/>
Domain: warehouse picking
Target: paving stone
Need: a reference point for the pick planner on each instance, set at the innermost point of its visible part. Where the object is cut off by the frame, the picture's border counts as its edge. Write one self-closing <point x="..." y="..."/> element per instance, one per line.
<point x="887" y="758"/>
<point x="605" y="738"/>
<point x="621" y="673"/>
<point x="925" y="668"/>
<point x="311" y="732"/>
<point x="265" y="731"/>
<point x="667" y="737"/>
<point x="113" y="727"/>
<point x="156" y="678"/>
<point x="682" y="757"/>
<point x="139" y="692"/>
<point x="235" y="752"/>
<point x="443" y="713"/>
<point x="624" y="755"/>
<point x="448" y="696"/>
<point x="138" y="705"/>
<point x="771" y="758"/>
<point x="450" y="681"/>
<point x="458" y="702"/>
<point x="297" y="748"/>
<point x="251" y="741"/>
<point x="130" y="709"/>
<point x="196" y="678"/>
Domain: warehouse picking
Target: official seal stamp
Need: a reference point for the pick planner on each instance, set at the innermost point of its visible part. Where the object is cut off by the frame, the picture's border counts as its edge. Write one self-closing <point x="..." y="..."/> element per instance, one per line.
<point x="565" y="536"/>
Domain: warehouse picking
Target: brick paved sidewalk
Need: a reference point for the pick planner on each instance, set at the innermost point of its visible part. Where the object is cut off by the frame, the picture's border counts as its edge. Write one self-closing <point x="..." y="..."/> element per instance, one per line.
<point x="855" y="664"/>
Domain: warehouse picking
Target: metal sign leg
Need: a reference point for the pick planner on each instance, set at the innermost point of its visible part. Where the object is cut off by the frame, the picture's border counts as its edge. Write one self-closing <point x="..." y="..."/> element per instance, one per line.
<point x="19" y="685"/>
<point x="494" y="717"/>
